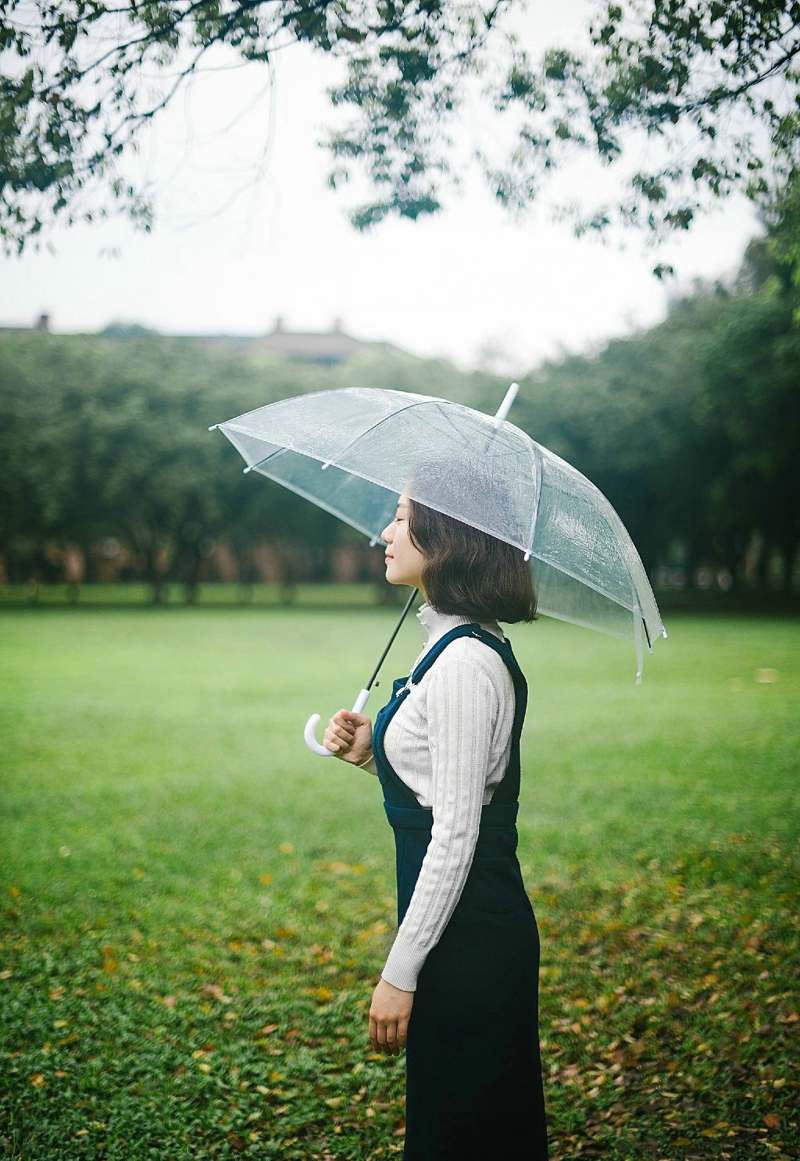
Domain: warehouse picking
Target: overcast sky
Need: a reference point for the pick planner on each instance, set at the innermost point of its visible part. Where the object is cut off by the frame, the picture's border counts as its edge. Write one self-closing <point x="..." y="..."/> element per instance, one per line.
<point x="245" y="234"/>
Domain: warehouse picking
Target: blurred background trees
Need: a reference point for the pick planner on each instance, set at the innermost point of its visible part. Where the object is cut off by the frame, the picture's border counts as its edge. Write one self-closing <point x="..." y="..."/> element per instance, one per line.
<point x="710" y="88"/>
<point x="691" y="429"/>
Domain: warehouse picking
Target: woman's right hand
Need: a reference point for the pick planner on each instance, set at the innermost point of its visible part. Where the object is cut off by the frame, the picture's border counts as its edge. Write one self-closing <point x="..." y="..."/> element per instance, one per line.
<point x="349" y="736"/>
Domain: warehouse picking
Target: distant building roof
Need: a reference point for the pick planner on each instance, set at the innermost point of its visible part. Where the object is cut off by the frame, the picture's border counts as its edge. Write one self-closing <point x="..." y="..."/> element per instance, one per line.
<point x="333" y="346"/>
<point x="41" y="324"/>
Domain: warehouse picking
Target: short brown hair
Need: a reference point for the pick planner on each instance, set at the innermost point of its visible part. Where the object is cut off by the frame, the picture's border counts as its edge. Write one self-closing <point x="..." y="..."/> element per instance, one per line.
<point x="469" y="573"/>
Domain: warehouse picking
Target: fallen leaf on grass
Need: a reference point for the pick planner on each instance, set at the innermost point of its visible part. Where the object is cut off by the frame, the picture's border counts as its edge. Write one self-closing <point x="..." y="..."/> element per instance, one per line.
<point x="216" y="993"/>
<point x="772" y="1121"/>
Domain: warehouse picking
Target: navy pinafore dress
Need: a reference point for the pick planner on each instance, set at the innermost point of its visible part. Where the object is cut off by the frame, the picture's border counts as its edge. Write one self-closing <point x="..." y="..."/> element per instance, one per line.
<point x="473" y="1071"/>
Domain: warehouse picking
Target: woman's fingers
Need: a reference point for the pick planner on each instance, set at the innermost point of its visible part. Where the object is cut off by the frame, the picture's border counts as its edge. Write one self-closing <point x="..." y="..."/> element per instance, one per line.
<point x="353" y="720"/>
<point x="389" y="1040"/>
<point x="342" y="720"/>
<point x="383" y="1037"/>
<point x="389" y="1016"/>
<point x="339" y="736"/>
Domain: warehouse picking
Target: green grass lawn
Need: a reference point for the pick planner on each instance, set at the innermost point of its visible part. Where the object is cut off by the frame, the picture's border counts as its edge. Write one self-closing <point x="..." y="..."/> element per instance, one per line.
<point x="196" y="908"/>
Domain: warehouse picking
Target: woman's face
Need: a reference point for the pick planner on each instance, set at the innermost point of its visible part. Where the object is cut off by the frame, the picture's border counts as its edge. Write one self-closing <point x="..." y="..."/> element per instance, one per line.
<point x="404" y="561"/>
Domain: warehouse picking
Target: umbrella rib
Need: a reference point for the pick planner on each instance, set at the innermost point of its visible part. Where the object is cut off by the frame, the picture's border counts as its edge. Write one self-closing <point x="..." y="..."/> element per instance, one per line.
<point x="583" y="581"/>
<point x="369" y="431"/>
<point x="570" y="620"/>
<point x="538" y="479"/>
<point x="260" y="463"/>
<point x="319" y="503"/>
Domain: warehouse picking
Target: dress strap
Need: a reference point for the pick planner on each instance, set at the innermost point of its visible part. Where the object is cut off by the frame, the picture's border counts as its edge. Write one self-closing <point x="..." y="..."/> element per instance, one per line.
<point x="507" y="790"/>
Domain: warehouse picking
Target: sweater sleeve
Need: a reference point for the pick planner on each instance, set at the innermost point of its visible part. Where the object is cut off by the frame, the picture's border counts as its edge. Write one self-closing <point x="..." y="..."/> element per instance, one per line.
<point x="462" y="709"/>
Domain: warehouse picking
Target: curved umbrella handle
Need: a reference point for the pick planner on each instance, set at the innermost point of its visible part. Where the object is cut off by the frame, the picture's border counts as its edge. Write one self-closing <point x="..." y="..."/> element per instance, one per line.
<point x="312" y="723"/>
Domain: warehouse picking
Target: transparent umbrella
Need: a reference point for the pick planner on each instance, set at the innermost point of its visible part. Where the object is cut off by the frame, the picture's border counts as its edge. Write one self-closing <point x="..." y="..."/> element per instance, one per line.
<point x="353" y="451"/>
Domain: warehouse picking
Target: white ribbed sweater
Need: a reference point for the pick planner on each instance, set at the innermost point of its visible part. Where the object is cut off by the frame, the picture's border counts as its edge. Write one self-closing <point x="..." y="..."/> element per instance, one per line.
<point x="450" y="742"/>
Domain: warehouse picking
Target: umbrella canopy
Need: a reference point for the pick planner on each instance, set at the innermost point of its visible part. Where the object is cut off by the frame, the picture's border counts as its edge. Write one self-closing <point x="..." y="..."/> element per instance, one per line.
<point x="353" y="451"/>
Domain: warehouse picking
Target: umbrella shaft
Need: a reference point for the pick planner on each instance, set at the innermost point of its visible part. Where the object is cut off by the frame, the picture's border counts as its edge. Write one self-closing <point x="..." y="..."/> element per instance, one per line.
<point x="376" y="671"/>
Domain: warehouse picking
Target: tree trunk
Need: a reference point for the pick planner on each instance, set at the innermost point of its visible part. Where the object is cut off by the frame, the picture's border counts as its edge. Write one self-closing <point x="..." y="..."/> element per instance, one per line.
<point x="789" y="549"/>
<point x="245" y="585"/>
<point x="762" y="568"/>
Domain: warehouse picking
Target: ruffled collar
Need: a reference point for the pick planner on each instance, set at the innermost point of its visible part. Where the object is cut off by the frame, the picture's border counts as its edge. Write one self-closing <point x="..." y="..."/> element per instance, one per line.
<point x="436" y="624"/>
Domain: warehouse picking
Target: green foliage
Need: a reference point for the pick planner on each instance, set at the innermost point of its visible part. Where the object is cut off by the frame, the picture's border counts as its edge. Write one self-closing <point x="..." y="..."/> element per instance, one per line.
<point x="106" y="437"/>
<point x="195" y="909"/>
<point x="694" y="80"/>
<point x="783" y="226"/>
<point x="690" y="429"/>
<point x="698" y="79"/>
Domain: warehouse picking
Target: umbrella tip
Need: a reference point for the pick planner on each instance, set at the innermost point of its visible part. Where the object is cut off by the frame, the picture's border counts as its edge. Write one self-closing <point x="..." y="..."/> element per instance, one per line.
<point x="505" y="406"/>
<point x="213" y="427"/>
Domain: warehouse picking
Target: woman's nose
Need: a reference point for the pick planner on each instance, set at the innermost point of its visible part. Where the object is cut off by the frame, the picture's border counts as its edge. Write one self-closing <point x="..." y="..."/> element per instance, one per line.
<point x="387" y="534"/>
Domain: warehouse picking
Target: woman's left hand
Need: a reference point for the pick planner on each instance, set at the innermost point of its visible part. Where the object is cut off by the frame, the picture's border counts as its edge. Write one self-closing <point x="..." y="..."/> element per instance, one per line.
<point x="388" y="1018"/>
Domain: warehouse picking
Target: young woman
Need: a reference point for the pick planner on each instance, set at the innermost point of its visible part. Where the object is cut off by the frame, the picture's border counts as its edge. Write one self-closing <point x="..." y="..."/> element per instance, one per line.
<point x="459" y="990"/>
